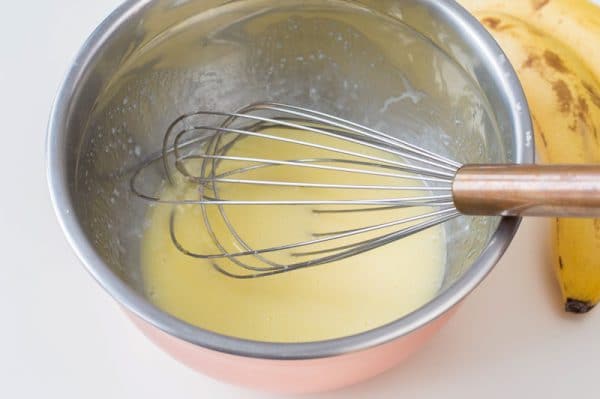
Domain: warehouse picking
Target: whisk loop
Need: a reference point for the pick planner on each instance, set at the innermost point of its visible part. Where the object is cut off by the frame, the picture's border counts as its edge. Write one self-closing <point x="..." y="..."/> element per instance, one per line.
<point x="198" y="150"/>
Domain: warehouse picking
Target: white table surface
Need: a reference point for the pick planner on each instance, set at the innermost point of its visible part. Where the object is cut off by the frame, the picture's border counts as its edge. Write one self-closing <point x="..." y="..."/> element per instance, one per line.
<point x="61" y="336"/>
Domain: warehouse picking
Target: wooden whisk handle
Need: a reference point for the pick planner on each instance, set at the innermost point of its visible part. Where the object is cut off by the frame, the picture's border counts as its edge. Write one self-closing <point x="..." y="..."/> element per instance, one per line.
<point x="528" y="190"/>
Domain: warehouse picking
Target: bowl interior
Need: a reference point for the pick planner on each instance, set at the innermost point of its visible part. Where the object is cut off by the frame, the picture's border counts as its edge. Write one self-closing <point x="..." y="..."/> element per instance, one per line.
<point x="401" y="67"/>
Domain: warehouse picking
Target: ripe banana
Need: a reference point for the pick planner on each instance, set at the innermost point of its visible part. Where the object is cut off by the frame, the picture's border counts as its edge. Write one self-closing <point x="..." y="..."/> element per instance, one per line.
<point x="575" y="22"/>
<point x="563" y="93"/>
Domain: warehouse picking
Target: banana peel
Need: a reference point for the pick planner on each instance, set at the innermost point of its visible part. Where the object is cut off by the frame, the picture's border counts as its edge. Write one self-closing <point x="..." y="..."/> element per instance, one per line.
<point x="575" y="22"/>
<point x="563" y="93"/>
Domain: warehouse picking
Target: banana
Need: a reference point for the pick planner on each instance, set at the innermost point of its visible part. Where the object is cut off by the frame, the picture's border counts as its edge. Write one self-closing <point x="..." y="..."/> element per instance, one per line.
<point x="564" y="97"/>
<point x="575" y="22"/>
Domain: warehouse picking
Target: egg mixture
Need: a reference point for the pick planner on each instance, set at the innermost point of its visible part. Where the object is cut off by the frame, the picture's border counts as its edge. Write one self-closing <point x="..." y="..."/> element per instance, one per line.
<point x="329" y="301"/>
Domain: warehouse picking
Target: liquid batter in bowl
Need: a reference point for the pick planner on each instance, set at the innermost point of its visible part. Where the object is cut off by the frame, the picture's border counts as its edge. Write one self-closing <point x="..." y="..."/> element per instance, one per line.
<point x="330" y="301"/>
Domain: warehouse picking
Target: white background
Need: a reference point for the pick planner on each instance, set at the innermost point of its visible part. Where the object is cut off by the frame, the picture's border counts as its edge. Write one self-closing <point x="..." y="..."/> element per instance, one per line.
<point x="61" y="336"/>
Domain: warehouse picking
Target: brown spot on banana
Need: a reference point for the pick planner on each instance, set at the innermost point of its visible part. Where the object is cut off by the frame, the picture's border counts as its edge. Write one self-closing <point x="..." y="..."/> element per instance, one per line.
<point x="540" y="133"/>
<point x="530" y="61"/>
<point x="554" y="61"/>
<point x="491" y="22"/>
<point x="563" y="93"/>
<point x="539" y="4"/>
<point x="495" y="24"/>
<point x="583" y="107"/>
<point x="560" y="263"/>
<point x="594" y="96"/>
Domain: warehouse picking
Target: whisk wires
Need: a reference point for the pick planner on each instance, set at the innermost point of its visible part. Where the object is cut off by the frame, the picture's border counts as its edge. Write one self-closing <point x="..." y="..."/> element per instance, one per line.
<point x="330" y="166"/>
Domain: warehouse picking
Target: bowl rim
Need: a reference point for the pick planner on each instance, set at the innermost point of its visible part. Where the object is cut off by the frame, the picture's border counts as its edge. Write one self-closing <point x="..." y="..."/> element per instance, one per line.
<point x="138" y="305"/>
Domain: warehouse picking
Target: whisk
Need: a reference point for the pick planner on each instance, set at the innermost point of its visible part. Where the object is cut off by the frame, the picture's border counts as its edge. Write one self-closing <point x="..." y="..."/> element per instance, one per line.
<point x="201" y="149"/>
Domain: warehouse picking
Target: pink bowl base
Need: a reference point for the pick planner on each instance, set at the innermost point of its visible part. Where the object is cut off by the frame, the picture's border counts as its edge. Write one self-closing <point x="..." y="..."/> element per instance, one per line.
<point x="292" y="376"/>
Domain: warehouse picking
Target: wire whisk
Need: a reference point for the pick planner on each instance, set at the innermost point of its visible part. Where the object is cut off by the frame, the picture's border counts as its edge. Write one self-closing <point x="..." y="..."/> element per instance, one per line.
<point x="369" y="171"/>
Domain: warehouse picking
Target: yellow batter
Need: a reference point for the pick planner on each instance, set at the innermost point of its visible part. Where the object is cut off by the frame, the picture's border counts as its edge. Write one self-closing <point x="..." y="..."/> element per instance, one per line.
<point x="330" y="301"/>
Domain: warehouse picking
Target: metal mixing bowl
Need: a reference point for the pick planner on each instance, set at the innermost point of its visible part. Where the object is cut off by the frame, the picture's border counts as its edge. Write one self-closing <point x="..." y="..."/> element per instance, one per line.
<point x="423" y="70"/>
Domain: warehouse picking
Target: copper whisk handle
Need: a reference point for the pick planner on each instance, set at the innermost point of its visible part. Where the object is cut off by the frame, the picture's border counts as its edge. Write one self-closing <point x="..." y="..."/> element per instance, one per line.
<point x="528" y="190"/>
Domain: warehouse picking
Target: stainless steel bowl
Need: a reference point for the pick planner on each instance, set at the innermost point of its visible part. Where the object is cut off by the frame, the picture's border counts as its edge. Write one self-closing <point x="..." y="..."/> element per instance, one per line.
<point x="423" y="70"/>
